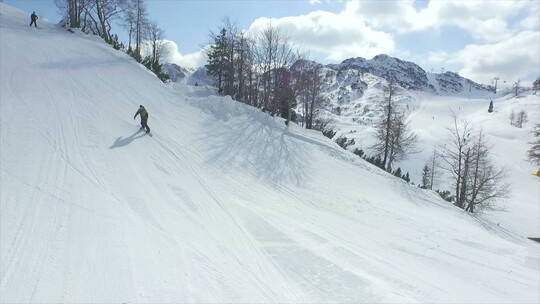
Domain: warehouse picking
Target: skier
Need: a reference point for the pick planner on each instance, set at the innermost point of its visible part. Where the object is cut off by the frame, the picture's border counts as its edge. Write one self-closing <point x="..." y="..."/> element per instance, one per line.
<point x="34" y="18"/>
<point x="144" y="118"/>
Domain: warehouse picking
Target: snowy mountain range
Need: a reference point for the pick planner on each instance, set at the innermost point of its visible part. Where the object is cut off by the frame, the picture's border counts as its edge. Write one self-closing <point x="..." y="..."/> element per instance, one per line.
<point x="224" y="203"/>
<point x="354" y="86"/>
<point x="175" y="72"/>
<point x="408" y="75"/>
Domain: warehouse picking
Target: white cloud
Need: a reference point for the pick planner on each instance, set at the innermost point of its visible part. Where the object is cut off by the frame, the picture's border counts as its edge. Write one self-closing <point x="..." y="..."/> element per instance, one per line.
<point x="511" y="59"/>
<point x="438" y="57"/>
<point x="366" y="28"/>
<point x="337" y="36"/>
<point x="484" y="20"/>
<point x="394" y="15"/>
<point x="170" y="53"/>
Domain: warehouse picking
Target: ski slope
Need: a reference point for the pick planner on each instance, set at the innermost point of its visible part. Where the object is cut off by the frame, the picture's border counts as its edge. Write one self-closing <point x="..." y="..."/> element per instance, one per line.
<point x="430" y="116"/>
<point x="222" y="204"/>
<point x="520" y="211"/>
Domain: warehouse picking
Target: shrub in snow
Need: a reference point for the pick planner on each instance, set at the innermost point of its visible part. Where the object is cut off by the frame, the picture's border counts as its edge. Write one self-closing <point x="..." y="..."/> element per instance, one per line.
<point x="344" y="142"/>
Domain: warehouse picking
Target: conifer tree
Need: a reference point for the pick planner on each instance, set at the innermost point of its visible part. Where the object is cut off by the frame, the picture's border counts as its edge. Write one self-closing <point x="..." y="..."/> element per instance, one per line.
<point x="217" y="58"/>
<point x="426" y="177"/>
<point x="397" y="173"/>
<point x="534" y="150"/>
<point x="407" y="178"/>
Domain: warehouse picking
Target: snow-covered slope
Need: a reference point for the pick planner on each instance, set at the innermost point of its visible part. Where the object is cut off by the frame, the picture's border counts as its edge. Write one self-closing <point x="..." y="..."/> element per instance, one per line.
<point x="430" y="115"/>
<point x="520" y="212"/>
<point x="222" y="204"/>
<point x="353" y="93"/>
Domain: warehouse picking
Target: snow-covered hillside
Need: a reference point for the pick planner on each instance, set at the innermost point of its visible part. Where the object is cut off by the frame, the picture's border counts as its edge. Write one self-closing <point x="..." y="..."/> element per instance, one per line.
<point x="222" y="204"/>
<point x="430" y="115"/>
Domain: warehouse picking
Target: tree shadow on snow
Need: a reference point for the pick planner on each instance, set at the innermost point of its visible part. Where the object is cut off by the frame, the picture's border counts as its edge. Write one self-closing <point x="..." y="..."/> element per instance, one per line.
<point x="121" y="142"/>
<point x="260" y="146"/>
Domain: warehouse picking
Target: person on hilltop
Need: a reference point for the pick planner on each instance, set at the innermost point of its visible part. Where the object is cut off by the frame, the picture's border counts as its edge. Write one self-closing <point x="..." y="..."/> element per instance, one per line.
<point x="144" y="118"/>
<point x="34" y="18"/>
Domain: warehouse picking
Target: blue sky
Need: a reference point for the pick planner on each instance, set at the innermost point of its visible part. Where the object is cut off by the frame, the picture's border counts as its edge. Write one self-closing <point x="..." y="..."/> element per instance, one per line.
<point x="478" y="39"/>
<point x="188" y="22"/>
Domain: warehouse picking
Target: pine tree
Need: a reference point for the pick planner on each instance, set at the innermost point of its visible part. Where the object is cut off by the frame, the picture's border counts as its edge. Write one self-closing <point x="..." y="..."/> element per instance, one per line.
<point x="358" y="152"/>
<point x="536" y="85"/>
<point x="445" y="195"/>
<point x="397" y="173"/>
<point x="534" y="150"/>
<point x="217" y="59"/>
<point x="378" y="162"/>
<point x="426" y="177"/>
<point x="407" y="178"/>
<point x="490" y="110"/>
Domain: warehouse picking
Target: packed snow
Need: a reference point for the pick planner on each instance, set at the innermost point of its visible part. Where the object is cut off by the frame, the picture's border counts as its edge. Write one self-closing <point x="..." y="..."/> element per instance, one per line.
<point x="430" y="116"/>
<point x="222" y="204"/>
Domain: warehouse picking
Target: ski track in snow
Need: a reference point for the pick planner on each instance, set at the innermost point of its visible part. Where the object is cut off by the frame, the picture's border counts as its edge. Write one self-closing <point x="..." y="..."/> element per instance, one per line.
<point x="222" y="204"/>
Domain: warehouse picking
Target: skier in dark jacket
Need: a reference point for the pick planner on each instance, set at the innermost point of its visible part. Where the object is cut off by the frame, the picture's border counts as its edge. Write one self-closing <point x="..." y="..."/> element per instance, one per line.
<point x="34" y="18"/>
<point x="144" y="118"/>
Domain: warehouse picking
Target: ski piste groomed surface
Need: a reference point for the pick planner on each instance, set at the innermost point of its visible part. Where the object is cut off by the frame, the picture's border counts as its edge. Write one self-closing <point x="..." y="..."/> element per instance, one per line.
<point x="223" y="203"/>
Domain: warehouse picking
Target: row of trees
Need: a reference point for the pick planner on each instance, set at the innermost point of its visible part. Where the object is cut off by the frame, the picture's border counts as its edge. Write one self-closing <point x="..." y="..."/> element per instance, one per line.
<point x="145" y="38"/>
<point x="476" y="181"/>
<point x="93" y="16"/>
<point x="266" y="71"/>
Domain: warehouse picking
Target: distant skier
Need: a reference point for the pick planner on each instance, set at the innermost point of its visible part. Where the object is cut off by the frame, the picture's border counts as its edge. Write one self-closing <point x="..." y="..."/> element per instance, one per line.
<point x="34" y="18"/>
<point x="144" y="118"/>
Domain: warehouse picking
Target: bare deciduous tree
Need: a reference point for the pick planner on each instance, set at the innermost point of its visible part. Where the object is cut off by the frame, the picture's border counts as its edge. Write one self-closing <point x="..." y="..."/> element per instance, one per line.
<point x="308" y="88"/>
<point x="386" y="123"/>
<point x="515" y="87"/>
<point x="129" y="20"/>
<point x="140" y="15"/>
<point x="521" y="119"/>
<point x="402" y="140"/>
<point x="273" y="54"/>
<point x="100" y="14"/>
<point x="477" y="182"/>
<point x="454" y="153"/>
<point x="485" y="181"/>
<point x="394" y="140"/>
<point x="155" y="37"/>
<point x="72" y="10"/>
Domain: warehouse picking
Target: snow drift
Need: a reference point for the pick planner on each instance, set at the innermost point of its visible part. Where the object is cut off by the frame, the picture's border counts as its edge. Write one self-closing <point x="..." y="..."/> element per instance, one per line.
<point x="222" y="204"/>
